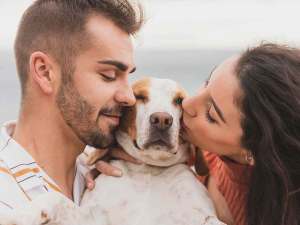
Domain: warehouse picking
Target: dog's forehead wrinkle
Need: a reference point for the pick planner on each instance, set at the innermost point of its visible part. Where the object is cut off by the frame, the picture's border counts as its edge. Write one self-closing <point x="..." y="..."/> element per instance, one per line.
<point x="161" y="99"/>
<point x="162" y="92"/>
<point x="162" y="106"/>
<point x="163" y="85"/>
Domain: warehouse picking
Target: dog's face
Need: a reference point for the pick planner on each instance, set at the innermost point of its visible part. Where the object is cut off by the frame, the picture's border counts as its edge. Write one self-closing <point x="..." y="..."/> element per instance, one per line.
<point x="149" y="130"/>
<point x="158" y="114"/>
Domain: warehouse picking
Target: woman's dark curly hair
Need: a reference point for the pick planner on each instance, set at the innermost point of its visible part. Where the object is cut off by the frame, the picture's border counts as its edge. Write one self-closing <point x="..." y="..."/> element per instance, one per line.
<point x="269" y="77"/>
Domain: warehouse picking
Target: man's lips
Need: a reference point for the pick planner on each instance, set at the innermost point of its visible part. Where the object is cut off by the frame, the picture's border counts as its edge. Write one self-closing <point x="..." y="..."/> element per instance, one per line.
<point x="112" y="114"/>
<point x="113" y="117"/>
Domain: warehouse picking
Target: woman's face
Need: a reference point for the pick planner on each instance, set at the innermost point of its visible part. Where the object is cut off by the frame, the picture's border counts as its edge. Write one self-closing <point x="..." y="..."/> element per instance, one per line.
<point x="212" y="118"/>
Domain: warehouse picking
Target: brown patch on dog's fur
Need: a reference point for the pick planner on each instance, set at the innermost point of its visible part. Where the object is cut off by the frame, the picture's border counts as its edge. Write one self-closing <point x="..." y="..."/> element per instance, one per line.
<point x="128" y="121"/>
<point x="200" y="164"/>
<point x="44" y="217"/>
<point x="197" y="160"/>
<point x="141" y="88"/>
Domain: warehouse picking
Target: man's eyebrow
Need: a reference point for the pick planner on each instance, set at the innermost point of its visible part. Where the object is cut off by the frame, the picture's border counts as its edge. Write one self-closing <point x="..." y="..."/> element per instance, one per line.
<point x="218" y="110"/>
<point x="120" y="66"/>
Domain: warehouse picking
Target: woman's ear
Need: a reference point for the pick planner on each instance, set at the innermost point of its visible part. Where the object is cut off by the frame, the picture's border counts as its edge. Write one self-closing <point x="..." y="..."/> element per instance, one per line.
<point x="200" y="163"/>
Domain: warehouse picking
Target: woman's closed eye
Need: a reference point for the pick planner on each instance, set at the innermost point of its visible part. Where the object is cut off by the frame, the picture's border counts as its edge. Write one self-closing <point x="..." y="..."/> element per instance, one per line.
<point x="208" y="116"/>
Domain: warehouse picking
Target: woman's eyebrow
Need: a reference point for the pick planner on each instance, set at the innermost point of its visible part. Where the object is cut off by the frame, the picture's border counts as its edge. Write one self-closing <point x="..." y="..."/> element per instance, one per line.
<point x="218" y="110"/>
<point x="207" y="80"/>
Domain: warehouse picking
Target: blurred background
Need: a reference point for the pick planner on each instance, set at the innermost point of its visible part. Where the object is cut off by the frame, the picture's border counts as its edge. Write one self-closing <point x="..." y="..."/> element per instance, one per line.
<point x="182" y="39"/>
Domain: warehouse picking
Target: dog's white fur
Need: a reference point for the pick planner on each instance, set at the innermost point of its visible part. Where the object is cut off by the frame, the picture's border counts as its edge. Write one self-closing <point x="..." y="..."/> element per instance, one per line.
<point x="161" y="191"/>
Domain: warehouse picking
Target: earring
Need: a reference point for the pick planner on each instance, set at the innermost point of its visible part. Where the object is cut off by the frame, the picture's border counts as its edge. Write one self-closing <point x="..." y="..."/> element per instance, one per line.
<point x="249" y="158"/>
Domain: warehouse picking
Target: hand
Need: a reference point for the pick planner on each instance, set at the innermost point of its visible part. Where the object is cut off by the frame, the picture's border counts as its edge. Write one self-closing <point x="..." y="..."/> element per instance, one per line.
<point x="103" y="166"/>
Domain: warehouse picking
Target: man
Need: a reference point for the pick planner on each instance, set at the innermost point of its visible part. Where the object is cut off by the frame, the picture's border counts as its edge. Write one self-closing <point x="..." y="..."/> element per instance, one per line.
<point x="73" y="60"/>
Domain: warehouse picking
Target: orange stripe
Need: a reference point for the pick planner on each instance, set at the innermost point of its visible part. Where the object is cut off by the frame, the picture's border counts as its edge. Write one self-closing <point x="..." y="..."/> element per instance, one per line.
<point x="8" y="172"/>
<point x="4" y="170"/>
<point x="52" y="186"/>
<point x="25" y="171"/>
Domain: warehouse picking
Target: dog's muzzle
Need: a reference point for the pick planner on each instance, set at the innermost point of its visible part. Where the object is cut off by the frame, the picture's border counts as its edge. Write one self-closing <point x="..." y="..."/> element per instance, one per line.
<point x="159" y="134"/>
<point x="161" y="121"/>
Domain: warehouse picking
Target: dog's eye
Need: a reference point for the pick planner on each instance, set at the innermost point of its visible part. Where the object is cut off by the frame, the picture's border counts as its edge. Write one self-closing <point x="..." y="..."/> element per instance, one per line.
<point x="178" y="101"/>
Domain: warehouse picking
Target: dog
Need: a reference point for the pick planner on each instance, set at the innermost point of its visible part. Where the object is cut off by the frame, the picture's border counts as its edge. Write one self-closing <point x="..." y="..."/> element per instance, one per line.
<point x="163" y="190"/>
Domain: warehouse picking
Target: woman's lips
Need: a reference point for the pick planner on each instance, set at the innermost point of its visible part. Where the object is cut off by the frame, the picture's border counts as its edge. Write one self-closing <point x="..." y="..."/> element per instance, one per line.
<point x="184" y="126"/>
<point x="183" y="123"/>
<point x="188" y="114"/>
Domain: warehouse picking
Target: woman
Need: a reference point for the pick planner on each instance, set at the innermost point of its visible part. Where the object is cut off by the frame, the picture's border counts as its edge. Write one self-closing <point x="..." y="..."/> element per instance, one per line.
<point x="247" y="119"/>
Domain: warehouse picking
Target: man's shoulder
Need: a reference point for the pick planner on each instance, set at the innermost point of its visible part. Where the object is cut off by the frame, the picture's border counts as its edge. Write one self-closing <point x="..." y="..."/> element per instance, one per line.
<point x="4" y="170"/>
<point x="5" y="137"/>
<point x="6" y="176"/>
<point x="10" y="192"/>
<point x="11" y="160"/>
<point x="7" y="179"/>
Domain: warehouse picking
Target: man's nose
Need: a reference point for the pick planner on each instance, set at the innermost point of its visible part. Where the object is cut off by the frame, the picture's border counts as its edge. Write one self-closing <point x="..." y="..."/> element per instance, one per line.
<point x="125" y="96"/>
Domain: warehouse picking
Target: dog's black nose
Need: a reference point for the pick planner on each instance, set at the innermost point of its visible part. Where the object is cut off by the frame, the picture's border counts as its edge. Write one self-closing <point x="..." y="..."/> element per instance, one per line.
<point x="161" y="120"/>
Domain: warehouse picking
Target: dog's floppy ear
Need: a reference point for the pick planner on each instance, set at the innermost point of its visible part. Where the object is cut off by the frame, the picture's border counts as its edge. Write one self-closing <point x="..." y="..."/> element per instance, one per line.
<point x="200" y="163"/>
<point x="127" y="123"/>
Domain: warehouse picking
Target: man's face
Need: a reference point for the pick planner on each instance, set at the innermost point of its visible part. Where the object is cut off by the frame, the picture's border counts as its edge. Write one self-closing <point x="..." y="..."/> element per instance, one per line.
<point x="94" y="92"/>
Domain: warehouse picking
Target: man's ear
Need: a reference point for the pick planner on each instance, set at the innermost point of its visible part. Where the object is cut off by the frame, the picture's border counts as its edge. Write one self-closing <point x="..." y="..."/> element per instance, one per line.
<point x="200" y="163"/>
<point x="41" y="70"/>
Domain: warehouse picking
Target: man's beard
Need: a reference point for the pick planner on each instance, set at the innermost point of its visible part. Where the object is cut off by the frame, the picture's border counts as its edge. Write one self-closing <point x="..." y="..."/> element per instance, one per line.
<point x="78" y="114"/>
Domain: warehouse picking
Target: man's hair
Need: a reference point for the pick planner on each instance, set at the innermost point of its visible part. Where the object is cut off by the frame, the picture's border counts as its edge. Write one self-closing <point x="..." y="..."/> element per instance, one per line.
<point x="57" y="27"/>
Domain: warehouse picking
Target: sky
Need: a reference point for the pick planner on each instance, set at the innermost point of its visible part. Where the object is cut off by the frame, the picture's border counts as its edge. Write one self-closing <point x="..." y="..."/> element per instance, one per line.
<point x="194" y="24"/>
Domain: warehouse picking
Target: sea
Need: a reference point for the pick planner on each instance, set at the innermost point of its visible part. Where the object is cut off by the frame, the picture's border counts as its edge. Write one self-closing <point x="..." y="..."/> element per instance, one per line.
<point x="188" y="67"/>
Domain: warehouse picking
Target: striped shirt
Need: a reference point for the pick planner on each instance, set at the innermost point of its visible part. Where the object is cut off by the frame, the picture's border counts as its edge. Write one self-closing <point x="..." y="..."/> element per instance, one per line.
<point x="21" y="178"/>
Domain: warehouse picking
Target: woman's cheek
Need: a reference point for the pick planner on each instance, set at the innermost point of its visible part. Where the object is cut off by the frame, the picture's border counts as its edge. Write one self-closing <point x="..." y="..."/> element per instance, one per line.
<point x="199" y="132"/>
<point x="207" y="135"/>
